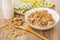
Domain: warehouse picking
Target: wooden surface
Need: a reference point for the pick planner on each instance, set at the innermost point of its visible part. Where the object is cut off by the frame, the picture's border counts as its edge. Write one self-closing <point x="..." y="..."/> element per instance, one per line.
<point x="9" y="32"/>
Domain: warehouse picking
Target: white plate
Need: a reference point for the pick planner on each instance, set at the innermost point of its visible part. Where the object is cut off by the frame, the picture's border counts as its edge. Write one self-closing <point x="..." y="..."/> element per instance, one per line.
<point x="52" y="12"/>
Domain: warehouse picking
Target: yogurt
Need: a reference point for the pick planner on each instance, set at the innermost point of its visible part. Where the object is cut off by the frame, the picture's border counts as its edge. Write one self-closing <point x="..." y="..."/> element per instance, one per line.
<point x="8" y="11"/>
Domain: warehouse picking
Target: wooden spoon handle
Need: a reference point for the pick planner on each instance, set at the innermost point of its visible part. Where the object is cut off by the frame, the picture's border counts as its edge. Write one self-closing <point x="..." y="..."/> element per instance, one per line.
<point x="39" y="35"/>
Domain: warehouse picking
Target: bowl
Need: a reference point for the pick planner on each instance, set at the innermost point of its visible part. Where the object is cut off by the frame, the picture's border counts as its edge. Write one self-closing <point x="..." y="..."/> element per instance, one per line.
<point x="54" y="14"/>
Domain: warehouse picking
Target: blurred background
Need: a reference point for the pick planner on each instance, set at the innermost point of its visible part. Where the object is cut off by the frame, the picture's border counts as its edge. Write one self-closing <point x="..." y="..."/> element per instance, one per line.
<point x="57" y="8"/>
<point x="0" y="8"/>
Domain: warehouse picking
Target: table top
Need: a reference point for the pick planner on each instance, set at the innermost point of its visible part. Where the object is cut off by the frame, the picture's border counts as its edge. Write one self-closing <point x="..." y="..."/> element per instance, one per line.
<point x="51" y="34"/>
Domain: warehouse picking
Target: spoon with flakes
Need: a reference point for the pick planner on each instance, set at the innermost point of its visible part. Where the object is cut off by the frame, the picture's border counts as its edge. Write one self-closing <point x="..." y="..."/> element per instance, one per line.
<point x="20" y="23"/>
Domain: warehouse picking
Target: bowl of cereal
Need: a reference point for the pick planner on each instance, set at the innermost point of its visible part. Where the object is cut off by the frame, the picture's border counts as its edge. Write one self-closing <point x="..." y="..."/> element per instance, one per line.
<point x="42" y="18"/>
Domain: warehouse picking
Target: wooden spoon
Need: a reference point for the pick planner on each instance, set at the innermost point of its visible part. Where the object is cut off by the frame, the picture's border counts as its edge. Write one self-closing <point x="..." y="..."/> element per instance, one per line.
<point x="26" y="27"/>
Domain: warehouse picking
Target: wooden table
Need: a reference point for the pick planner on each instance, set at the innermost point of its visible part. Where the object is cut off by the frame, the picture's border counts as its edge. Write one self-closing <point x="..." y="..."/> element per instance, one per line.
<point x="52" y="34"/>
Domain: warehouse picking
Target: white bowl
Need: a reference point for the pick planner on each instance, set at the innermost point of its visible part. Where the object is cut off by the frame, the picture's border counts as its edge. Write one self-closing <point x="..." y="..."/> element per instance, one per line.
<point x="52" y="12"/>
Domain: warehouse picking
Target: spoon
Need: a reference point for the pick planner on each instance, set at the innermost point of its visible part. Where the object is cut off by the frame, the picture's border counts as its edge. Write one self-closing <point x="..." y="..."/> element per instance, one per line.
<point x="27" y="28"/>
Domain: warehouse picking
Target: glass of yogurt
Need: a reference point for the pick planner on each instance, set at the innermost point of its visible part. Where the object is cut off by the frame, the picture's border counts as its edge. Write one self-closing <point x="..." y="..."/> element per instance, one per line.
<point x="8" y="11"/>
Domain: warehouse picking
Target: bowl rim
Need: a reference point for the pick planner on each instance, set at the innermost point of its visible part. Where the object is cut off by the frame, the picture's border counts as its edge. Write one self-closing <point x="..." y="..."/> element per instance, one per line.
<point x="38" y="27"/>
